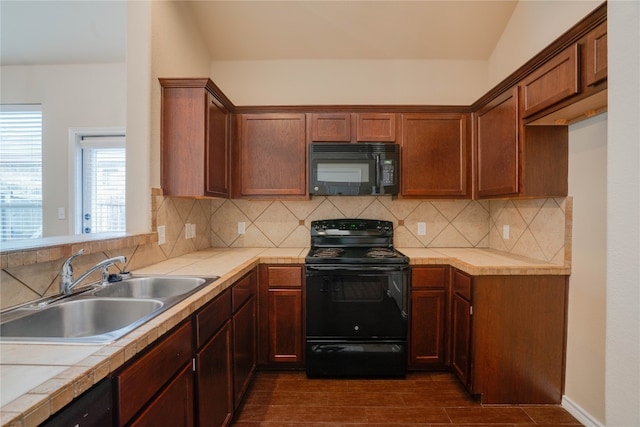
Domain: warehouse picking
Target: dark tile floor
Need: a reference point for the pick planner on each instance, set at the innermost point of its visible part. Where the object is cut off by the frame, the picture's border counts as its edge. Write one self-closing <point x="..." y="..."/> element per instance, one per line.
<point x="289" y="399"/>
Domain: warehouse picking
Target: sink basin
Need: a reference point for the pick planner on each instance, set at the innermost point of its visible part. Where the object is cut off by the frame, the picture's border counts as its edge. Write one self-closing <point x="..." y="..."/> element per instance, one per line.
<point x="93" y="320"/>
<point x="152" y="287"/>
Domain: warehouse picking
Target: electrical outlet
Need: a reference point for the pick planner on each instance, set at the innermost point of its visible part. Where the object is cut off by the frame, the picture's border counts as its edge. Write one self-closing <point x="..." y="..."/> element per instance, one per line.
<point x="242" y="228"/>
<point x="62" y="213"/>
<point x="505" y="232"/>
<point x="189" y="231"/>
<point x="162" y="235"/>
<point x="422" y="229"/>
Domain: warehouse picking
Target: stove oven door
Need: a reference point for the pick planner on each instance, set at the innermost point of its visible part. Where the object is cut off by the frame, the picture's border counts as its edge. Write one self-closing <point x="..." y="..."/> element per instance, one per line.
<point x="357" y="303"/>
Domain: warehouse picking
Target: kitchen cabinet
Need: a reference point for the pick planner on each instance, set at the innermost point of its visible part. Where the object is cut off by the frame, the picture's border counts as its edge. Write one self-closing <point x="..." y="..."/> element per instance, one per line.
<point x="461" y="312"/>
<point x="596" y="55"/>
<point x="214" y="376"/>
<point x="194" y="139"/>
<point x="148" y="380"/>
<point x="436" y="155"/>
<point x="555" y="81"/>
<point x="331" y="127"/>
<point x="428" y="317"/>
<point x="517" y="160"/>
<point x="173" y="406"/>
<point x="281" y="315"/>
<point x="375" y="127"/>
<point x="272" y="152"/>
<point x="508" y="336"/>
<point x="353" y="127"/>
<point x="244" y="329"/>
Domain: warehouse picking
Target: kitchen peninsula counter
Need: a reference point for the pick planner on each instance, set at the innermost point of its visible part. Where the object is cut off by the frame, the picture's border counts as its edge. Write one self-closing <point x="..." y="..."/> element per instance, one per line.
<point x="36" y="380"/>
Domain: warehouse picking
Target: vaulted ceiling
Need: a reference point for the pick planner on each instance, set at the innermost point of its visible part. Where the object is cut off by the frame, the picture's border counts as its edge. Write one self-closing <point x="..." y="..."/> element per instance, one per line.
<point x="57" y="32"/>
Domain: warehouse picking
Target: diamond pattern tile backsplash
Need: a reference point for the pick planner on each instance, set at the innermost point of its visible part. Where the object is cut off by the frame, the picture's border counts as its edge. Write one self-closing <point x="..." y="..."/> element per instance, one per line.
<point x="538" y="228"/>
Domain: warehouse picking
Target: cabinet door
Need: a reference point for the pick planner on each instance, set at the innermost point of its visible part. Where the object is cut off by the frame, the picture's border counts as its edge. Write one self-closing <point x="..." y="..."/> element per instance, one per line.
<point x="217" y="167"/>
<point x="285" y="325"/>
<point x="376" y="127"/>
<point x="553" y="82"/>
<point x="461" y="338"/>
<point x="173" y="406"/>
<point x="194" y="139"/>
<point x="244" y="348"/>
<point x="147" y="375"/>
<point x="427" y="328"/>
<point x="331" y="127"/>
<point x="596" y="55"/>
<point x="461" y="327"/>
<point x="435" y="155"/>
<point x="214" y="380"/>
<point x="273" y="155"/>
<point x="497" y="145"/>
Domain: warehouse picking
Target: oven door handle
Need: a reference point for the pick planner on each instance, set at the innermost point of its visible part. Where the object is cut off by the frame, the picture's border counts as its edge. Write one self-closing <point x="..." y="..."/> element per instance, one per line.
<point x="363" y="269"/>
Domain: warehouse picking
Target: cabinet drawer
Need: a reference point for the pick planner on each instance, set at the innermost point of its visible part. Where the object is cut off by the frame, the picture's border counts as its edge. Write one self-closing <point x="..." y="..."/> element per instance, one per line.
<point x="552" y="83"/>
<point x="212" y="317"/>
<point x="462" y="285"/>
<point x="139" y="382"/>
<point x="243" y="289"/>
<point x="284" y="277"/>
<point x="428" y="277"/>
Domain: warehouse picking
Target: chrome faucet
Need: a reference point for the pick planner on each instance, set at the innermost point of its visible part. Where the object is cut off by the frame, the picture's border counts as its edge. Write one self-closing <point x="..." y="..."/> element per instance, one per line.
<point x="66" y="273"/>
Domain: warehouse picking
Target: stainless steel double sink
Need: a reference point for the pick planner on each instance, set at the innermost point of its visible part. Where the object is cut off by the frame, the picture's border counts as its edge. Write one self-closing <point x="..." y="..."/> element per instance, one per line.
<point x="98" y="314"/>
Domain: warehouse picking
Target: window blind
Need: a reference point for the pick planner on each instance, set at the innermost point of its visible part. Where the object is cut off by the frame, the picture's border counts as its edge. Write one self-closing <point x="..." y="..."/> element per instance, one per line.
<point x="20" y="172"/>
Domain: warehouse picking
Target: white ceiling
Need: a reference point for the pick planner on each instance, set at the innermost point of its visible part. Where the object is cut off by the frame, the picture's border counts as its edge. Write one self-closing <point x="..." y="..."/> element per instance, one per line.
<point x="90" y="31"/>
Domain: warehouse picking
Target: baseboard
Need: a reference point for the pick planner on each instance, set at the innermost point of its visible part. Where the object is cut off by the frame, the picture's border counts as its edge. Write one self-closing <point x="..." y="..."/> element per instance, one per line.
<point x="579" y="414"/>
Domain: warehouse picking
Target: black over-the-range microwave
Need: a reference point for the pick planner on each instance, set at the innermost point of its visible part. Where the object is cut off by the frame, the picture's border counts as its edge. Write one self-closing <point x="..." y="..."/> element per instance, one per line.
<point x="353" y="169"/>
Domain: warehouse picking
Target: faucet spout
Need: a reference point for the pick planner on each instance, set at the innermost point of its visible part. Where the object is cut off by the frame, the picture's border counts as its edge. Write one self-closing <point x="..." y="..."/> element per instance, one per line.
<point x="67" y="283"/>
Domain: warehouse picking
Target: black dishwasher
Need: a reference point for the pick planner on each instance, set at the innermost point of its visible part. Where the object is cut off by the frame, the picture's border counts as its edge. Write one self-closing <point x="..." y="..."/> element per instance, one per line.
<point x="94" y="408"/>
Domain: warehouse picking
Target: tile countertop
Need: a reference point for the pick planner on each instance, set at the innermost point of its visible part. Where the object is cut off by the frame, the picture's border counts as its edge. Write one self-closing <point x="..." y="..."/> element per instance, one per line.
<point x="37" y="380"/>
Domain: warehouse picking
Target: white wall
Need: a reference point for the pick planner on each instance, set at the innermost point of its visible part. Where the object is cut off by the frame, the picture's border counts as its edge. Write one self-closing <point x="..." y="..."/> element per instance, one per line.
<point x="622" y="375"/>
<point x="587" y="287"/>
<point x="71" y="96"/>
<point x="351" y="82"/>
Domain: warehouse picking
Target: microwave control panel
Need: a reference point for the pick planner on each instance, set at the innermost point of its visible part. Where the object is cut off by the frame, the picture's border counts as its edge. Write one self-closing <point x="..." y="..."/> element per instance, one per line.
<point x="388" y="169"/>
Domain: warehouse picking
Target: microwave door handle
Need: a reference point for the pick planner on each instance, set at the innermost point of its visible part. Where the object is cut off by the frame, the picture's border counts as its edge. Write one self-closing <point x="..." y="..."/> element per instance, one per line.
<point x="376" y="182"/>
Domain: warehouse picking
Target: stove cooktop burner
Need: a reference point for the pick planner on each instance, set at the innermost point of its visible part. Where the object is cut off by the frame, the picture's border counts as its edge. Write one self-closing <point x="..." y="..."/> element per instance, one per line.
<point x="380" y="253"/>
<point x="328" y="252"/>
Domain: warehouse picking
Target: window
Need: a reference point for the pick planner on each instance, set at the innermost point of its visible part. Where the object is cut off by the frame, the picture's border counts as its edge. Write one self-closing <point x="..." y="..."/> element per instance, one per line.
<point x="20" y="172"/>
<point x="102" y="164"/>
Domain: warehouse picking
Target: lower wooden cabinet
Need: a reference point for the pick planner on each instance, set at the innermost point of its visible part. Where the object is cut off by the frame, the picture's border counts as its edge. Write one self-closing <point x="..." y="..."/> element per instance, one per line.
<point x="140" y="385"/>
<point x="428" y="317"/>
<point x="214" y="376"/>
<point x="508" y="337"/>
<point x="281" y="316"/>
<point x="173" y="406"/>
<point x="244" y="348"/>
<point x="461" y="311"/>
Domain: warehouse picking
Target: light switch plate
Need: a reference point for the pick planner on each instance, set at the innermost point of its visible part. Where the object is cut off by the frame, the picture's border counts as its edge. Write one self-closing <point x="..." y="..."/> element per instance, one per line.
<point x="505" y="232"/>
<point x="242" y="228"/>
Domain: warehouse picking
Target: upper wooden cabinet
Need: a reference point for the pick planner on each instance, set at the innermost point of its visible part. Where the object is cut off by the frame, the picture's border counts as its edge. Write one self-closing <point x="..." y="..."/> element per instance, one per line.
<point x="516" y="160"/>
<point x="436" y="152"/>
<point x="555" y="81"/>
<point x="331" y="127"/>
<point x="353" y="127"/>
<point x="376" y="127"/>
<point x="195" y="136"/>
<point x="272" y="155"/>
<point x="497" y="146"/>
<point x="596" y="55"/>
